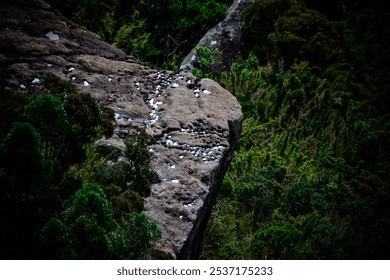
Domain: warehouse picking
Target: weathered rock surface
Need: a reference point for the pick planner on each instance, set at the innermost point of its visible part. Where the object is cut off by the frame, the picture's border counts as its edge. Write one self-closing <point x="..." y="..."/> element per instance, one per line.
<point x="196" y="122"/>
<point x="225" y="36"/>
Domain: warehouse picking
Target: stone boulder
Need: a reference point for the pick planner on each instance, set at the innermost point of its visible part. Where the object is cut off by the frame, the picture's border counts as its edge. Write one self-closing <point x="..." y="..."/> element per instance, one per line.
<point x="225" y="36"/>
<point x="196" y="123"/>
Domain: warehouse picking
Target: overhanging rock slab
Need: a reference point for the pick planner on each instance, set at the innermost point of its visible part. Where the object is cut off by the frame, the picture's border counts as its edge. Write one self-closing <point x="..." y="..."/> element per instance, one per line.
<point x="196" y="123"/>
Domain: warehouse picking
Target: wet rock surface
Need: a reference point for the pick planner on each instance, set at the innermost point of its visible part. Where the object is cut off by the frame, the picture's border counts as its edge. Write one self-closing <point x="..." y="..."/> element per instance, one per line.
<point x="196" y="123"/>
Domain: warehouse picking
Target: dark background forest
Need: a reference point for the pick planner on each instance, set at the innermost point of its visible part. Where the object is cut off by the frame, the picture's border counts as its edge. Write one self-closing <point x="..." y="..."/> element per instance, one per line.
<point x="309" y="180"/>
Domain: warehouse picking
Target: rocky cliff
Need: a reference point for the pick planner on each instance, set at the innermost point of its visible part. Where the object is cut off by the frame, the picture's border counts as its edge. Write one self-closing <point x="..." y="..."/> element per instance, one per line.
<point x="225" y="36"/>
<point x="196" y="123"/>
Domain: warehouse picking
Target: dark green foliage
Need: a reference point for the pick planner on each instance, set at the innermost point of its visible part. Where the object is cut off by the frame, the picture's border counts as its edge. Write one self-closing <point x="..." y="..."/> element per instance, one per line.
<point x="138" y="156"/>
<point x="303" y="237"/>
<point x="47" y="114"/>
<point x="11" y="108"/>
<point x="124" y="202"/>
<point x="92" y="14"/>
<point x="86" y="117"/>
<point x="206" y="61"/>
<point x="288" y="31"/>
<point x="67" y="123"/>
<point x="260" y="192"/>
<point x="87" y="122"/>
<point x="58" y="86"/>
<point x="125" y="183"/>
<point x="85" y="225"/>
<point x="313" y="95"/>
<point x="139" y="235"/>
<point x="129" y="180"/>
<point x="158" y="32"/>
<point x="91" y="232"/>
<point x="309" y="180"/>
<point x="49" y="207"/>
<point x="180" y="25"/>
<point x="67" y="120"/>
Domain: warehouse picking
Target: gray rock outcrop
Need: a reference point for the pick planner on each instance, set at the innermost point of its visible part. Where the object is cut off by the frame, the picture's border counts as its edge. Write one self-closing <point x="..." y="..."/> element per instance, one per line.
<point x="225" y="36"/>
<point x="196" y="123"/>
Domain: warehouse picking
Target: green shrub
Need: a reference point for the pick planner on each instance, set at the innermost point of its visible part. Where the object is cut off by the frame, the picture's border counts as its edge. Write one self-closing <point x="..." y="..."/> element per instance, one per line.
<point x="91" y="232"/>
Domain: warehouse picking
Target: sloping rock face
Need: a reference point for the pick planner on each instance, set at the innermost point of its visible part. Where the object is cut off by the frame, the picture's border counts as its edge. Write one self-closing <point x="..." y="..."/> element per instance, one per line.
<point x="225" y="36"/>
<point x="196" y="123"/>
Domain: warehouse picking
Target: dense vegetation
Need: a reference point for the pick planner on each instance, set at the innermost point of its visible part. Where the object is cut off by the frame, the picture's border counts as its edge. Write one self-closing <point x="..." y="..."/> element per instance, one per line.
<point x="310" y="179"/>
<point x="62" y="197"/>
<point x="157" y="32"/>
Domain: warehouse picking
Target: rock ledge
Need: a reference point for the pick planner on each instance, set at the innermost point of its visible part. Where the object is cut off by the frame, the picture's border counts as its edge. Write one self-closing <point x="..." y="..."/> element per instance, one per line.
<point x="196" y="123"/>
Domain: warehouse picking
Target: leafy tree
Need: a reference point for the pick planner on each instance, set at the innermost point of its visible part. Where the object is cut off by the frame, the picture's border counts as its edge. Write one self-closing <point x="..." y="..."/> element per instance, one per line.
<point x="47" y="210"/>
<point x="140" y="236"/>
<point x="135" y="172"/>
<point x="87" y="120"/>
<point x="47" y="114"/>
<point x="133" y="39"/>
<point x="86" y="224"/>
<point x="11" y="108"/>
<point x="88" y="230"/>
